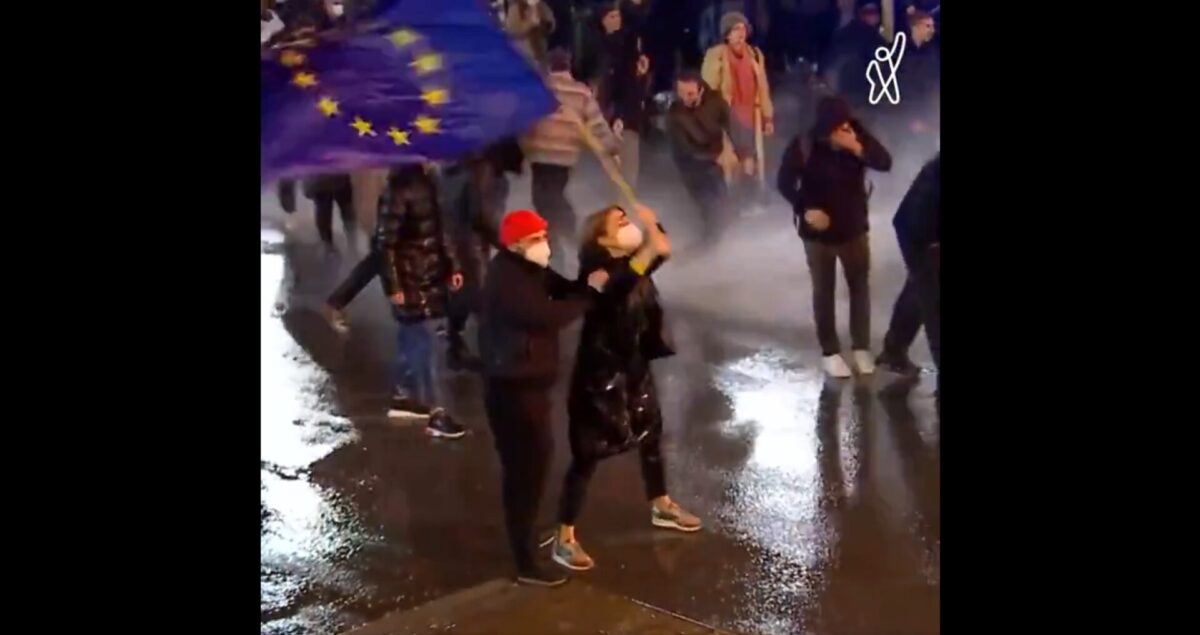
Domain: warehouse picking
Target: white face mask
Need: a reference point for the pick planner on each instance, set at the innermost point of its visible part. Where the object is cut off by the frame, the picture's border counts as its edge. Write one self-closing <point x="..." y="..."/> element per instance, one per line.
<point x="539" y="254"/>
<point x="338" y="10"/>
<point x="629" y="237"/>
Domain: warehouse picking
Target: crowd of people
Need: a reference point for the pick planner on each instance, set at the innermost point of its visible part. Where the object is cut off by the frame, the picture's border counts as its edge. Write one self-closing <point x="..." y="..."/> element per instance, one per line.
<point x="444" y="249"/>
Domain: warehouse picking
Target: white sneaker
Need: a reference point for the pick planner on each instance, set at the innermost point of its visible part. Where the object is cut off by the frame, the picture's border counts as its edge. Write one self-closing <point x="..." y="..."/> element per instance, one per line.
<point x="836" y="367"/>
<point x="864" y="362"/>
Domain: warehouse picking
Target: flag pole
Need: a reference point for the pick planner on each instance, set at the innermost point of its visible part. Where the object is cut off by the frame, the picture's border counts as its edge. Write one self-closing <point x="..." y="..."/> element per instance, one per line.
<point x="609" y="168"/>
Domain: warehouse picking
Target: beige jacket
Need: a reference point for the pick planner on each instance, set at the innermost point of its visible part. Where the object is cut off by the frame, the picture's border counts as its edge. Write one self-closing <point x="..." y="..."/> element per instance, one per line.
<point x="556" y="139"/>
<point x="719" y="77"/>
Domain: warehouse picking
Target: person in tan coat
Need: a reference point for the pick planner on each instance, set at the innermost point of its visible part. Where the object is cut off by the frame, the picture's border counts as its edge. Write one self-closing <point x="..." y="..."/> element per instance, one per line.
<point x="737" y="70"/>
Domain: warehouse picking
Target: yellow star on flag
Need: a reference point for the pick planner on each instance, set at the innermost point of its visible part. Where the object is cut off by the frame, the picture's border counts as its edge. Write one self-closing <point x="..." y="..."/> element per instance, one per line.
<point x="427" y="63"/>
<point x="399" y="136"/>
<point x="436" y="96"/>
<point x="428" y="125"/>
<point x="305" y="80"/>
<point x="403" y="37"/>
<point x="363" y="127"/>
<point x="328" y="106"/>
<point x="291" y="58"/>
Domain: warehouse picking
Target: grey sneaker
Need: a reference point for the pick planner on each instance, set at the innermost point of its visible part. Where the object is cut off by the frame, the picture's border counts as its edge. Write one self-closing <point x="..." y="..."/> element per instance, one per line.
<point x="674" y="517"/>
<point x="572" y="556"/>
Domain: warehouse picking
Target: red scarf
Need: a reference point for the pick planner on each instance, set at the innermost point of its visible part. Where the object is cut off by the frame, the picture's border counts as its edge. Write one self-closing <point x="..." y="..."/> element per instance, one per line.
<point x="745" y="85"/>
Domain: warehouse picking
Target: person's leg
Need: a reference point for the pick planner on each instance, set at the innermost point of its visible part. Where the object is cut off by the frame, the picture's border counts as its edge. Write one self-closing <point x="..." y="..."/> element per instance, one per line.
<point x="421" y="357"/>
<point x="361" y="276"/>
<point x="287" y="196"/>
<point x="822" y="266"/>
<point x="664" y="512"/>
<point x="406" y="391"/>
<point x="925" y="273"/>
<point x="519" y="416"/>
<point x="562" y="228"/>
<point x="344" y="198"/>
<point x="574" y="493"/>
<point x="856" y="263"/>
<point x="323" y="204"/>
<point x="903" y="328"/>
<point x="566" y="549"/>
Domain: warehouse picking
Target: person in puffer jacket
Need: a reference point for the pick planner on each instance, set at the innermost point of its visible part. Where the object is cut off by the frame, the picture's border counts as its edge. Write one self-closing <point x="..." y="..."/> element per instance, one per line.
<point x="418" y="268"/>
<point x="612" y="402"/>
<point x="553" y="147"/>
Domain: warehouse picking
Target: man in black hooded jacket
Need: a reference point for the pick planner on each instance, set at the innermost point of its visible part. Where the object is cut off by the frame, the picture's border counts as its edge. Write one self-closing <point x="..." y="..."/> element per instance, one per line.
<point x="829" y="165"/>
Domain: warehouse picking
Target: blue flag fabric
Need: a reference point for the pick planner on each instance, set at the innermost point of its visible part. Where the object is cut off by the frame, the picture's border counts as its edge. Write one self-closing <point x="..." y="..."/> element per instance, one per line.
<point x="418" y="80"/>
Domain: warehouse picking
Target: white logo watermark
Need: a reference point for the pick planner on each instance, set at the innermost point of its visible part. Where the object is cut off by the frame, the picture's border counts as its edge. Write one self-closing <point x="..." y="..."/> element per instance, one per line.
<point x="881" y="85"/>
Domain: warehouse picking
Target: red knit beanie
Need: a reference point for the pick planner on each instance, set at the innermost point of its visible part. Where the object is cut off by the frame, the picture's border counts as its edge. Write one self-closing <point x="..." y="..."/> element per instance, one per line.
<point x="519" y="224"/>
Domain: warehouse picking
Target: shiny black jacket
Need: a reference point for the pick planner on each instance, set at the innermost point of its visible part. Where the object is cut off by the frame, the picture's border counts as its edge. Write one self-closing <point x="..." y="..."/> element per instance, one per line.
<point x="524" y="308"/>
<point x="613" y="403"/>
<point x="417" y="256"/>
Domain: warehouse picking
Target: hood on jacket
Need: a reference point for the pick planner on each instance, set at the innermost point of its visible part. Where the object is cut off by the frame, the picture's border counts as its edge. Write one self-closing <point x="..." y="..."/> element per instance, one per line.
<point x="831" y="113"/>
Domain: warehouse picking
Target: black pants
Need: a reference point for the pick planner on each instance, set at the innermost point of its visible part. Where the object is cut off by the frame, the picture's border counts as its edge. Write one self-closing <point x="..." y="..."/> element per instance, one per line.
<point x="919" y="304"/>
<point x="654" y="478"/>
<point x="856" y="264"/>
<point x="705" y="182"/>
<point x="550" y="200"/>
<point x="324" y="204"/>
<point x="287" y="196"/>
<point x="519" y="415"/>
<point x="361" y="276"/>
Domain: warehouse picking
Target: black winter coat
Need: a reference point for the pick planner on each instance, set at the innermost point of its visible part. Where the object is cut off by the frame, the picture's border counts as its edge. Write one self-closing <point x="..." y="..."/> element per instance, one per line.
<point x="620" y="92"/>
<point x="418" y="257"/>
<point x="918" y="220"/>
<point x="698" y="134"/>
<point x="613" y="403"/>
<point x="524" y="308"/>
<point x="830" y="180"/>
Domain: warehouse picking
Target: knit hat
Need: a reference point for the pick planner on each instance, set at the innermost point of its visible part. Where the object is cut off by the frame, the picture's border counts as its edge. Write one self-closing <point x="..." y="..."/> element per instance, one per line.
<point x="520" y="224"/>
<point x="732" y="19"/>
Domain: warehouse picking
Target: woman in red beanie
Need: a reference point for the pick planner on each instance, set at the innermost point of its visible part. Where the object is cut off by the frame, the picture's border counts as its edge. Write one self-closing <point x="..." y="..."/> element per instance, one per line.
<point x="525" y="305"/>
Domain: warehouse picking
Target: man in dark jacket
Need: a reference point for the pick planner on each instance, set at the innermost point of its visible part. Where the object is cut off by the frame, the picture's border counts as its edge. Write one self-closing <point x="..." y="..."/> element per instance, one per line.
<point x="852" y="49"/>
<point x="417" y="262"/>
<point x="697" y="124"/>
<point x="830" y="209"/>
<point x="525" y="305"/>
<point x="623" y="85"/>
<point x="918" y="224"/>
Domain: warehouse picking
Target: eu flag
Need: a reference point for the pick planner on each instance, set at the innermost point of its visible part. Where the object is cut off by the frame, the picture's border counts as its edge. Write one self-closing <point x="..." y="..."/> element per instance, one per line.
<point x="416" y="80"/>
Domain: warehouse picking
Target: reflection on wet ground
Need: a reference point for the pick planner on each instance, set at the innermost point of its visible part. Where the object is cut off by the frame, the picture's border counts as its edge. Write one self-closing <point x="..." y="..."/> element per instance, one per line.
<point x="821" y="498"/>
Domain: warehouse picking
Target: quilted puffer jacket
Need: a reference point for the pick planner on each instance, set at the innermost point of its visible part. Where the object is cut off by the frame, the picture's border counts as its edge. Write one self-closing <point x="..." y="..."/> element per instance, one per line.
<point x="418" y="257"/>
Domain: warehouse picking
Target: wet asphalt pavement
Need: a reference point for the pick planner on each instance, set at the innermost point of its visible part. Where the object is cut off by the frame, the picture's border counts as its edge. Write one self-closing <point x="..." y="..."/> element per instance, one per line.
<point x="820" y="497"/>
